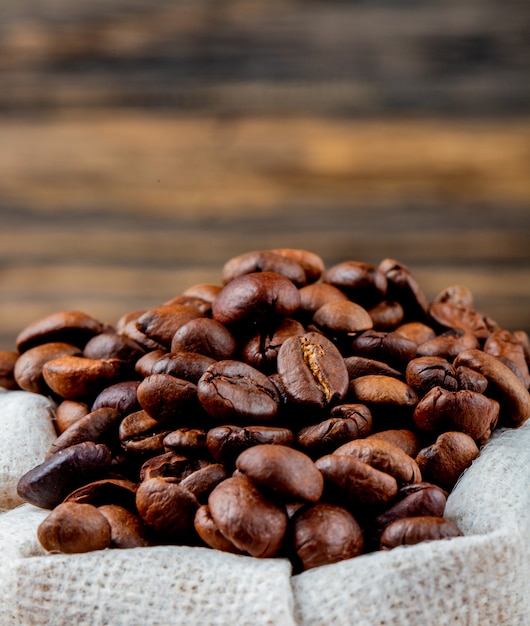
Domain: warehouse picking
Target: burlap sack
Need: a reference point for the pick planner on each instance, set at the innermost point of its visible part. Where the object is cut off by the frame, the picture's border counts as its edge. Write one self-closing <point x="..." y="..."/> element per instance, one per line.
<point x="481" y="579"/>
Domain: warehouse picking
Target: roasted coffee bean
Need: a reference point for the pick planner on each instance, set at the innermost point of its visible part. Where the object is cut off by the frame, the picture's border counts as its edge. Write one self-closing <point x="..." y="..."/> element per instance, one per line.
<point x="167" y="508"/>
<point x="423" y="499"/>
<point x="248" y="519"/>
<point x="358" y="366"/>
<point x="140" y="434"/>
<point x="386" y="315"/>
<point x="165" y="397"/>
<point x="384" y="456"/>
<point x="204" y="291"/>
<point x="502" y="383"/>
<point x="28" y="367"/>
<point x="461" y="317"/>
<point x="190" y="441"/>
<point x="72" y="327"/>
<point x="127" y="530"/>
<point x="253" y="298"/>
<point x="117" y="491"/>
<point x="74" y="528"/>
<point x="204" y="307"/>
<point x="113" y="346"/>
<point x="78" y="378"/>
<point x="444" y="461"/>
<point x="449" y="344"/>
<point x="264" y="261"/>
<point x="162" y="322"/>
<point x="424" y="373"/>
<point x="226" y="443"/>
<point x="339" y="317"/>
<point x="8" y="359"/>
<point x="403" y="438"/>
<point x="170" y="465"/>
<point x="353" y="483"/>
<point x="416" y="331"/>
<point x="209" y="532"/>
<point x="94" y="426"/>
<point x="325" y="533"/>
<point x="144" y="365"/>
<point x="127" y="327"/>
<point x="362" y="282"/>
<point x="121" y="396"/>
<point x="315" y="295"/>
<point x="47" y="484"/>
<point x="470" y="379"/>
<point x="203" y="481"/>
<point x="467" y="411"/>
<point x="312" y="371"/>
<point x="206" y="336"/>
<point x="286" y="472"/>
<point x="346" y="422"/>
<point x="412" y="530"/>
<point x="312" y="263"/>
<point x="186" y="365"/>
<point x="507" y="348"/>
<point x="68" y="412"/>
<point x="261" y="350"/>
<point x="389" y="347"/>
<point x="403" y="287"/>
<point x="232" y="390"/>
<point x="376" y="389"/>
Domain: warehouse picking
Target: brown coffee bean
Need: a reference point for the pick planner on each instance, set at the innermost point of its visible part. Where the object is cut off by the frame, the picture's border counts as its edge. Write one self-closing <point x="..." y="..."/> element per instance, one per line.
<point x="68" y="412"/>
<point x="424" y="499"/>
<point x="249" y="520"/>
<point x="403" y="438"/>
<point x="165" y="397"/>
<point x="185" y="365"/>
<point x="458" y="295"/>
<point x="387" y="315"/>
<point x="470" y="379"/>
<point x="72" y="327"/>
<point x="346" y="422"/>
<point x="204" y="291"/>
<point x="467" y="411"/>
<point x="312" y="263"/>
<point x="412" y="530"/>
<point x="461" y="317"/>
<point x="261" y="350"/>
<point x="358" y="366"/>
<point x="424" y="373"/>
<point x="78" y="378"/>
<point x="127" y="327"/>
<point x="403" y="287"/>
<point x="383" y="456"/>
<point x="28" y="367"/>
<point x="162" y="322"/>
<point x="253" y="298"/>
<point x="127" y="529"/>
<point x="444" y="461"/>
<point x="312" y="371"/>
<point x="226" y="443"/>
<point x="376" y="389"/>
<point x="170" y="465"/>
<point x="190" y="441"/>
<point x="74" y="528"/>
<point x="8" y="359"/>
<point x="94" y="426"/>
<point x="204" y="307"/>
<point x="362" y="282"/>
<point x="509" y="349"/>
<point x="315" y="295"/>
<point x="353" y="483"/>
<point x="205" y="336"/>
<point x="264" y="261"/>
<point x="144" y="365"/>
<point x="121" y="396"/>
<point x="283" y="471"/>
<point x="416" y="331"/>
<point x="117" y="491"/>
<point x="232" y="390"/>
<point x="209" y="532"/>
<point x="514" y="398"/>
<point x="167" y="507"/>
<point x="340" y="316"/>
<point x="204" y="480"/>
<point x="47" y="484"/>
<point x="389" y="347"/>
<point x="140" y="434"/>
<point x="113" y="346"/>
<point x="325" y="533"/>
<point x="449" y="344"/>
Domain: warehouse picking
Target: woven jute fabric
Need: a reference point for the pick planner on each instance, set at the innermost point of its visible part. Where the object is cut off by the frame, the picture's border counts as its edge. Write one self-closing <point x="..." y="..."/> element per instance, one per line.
<point x="480" y="579"/>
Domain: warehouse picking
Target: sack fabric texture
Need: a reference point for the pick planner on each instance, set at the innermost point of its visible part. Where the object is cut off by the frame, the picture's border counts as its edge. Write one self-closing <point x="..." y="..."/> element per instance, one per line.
<point x="480" y="579"/>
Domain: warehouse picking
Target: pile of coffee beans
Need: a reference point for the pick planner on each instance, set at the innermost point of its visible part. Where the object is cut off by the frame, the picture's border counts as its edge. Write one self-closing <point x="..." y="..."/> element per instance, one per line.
<point x="292" y="411"/>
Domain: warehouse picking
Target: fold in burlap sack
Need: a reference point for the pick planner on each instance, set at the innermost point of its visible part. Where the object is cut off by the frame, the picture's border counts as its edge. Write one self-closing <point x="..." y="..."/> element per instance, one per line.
<point x="481" y="579"/>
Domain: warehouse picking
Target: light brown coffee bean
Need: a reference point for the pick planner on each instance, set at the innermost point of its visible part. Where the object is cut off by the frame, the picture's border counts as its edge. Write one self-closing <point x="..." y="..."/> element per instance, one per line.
<point x="412" y="530"/>
<point x="127" y="529"/>
<point x="209" y="532"/>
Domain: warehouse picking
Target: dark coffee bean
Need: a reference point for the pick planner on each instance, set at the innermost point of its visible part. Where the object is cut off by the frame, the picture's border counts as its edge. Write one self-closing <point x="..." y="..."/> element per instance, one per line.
<point x="312" y="371"/>
<point x="106" y="491"/>
<point x="205" y="336"/>
<point x="203" y="481"/>
<point x="127" y="327"/>
<point x="362" y="282"/>
<point x="449" y="344"/>
<point x="162" y="322"/>
<point x="188" y="441"/>
<point x="186" y="365"/>
<point x="325" y="533"/>
<point x="457" y="317"/>
<point x="403" y="287"/>
<point x="340" y="317"/>
<point x="249" y="520"/>
<point x="508" y="348"/>
<point x="424" y="373"/>
<point x="287" y="473"/>
<point x="312" y="263"/>
<point x="73" y="528"/>
<point x="264" y="261"/>
<point x="140" y="434"/>
<point x="232" y="390"/>
<point x="165" y="397"/>
<point x="47" y="484"/>
<point x="72" y="327"/>
<point x="470" y="379"/>
<point x="358" y="366"/>
<point x="144" y="365"/>
<point x="390" y="348"/>
<point x="261" y="351"/>
<point x="113" y="346"/>
<point x="252" y="298"/>
<point x="170" y="465"/>
<point x="387" y="315"/>
<point x="412" y="530"/>
<point x="121" y="396"/>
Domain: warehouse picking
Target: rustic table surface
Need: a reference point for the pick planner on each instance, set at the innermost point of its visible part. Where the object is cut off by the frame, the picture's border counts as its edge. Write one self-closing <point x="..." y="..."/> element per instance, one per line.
<point x="139" y="150"/>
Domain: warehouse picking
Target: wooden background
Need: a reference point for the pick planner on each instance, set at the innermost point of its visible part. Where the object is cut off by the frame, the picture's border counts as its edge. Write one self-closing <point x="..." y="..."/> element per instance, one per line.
<point x="144" y="144"/>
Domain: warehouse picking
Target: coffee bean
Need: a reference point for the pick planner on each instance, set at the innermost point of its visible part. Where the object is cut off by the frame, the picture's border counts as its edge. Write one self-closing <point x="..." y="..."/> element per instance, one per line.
<point x="8" y="360"/>
<point x="28" y="367"/>
<point x="165" y="397"/>
<point x="127" y="530"/>
<point x="413" y="530"/>
<point x="264" y="261"/>
<point x="205" y="336"/>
